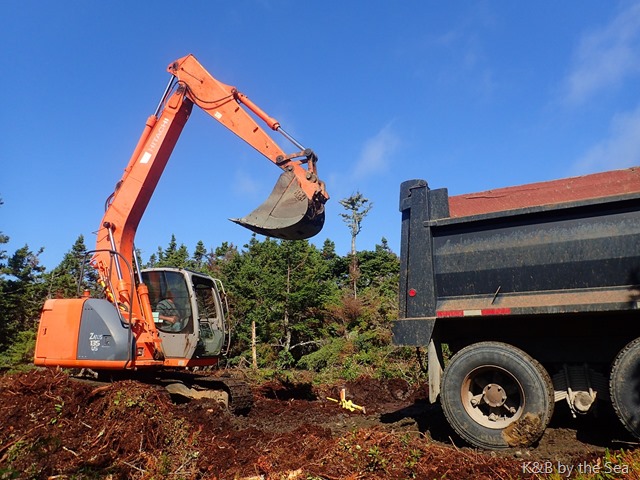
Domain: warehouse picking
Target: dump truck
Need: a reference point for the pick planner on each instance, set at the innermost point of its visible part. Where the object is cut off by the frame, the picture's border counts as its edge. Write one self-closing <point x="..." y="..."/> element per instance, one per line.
<point x="524" y="298"/>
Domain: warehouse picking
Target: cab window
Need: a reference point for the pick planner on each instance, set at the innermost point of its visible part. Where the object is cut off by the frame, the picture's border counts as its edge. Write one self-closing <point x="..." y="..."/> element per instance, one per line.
<point x="170" y="301"/>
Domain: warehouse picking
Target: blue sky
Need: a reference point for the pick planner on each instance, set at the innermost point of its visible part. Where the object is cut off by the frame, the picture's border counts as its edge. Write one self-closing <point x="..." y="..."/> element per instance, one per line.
<point x="467" y="95"/>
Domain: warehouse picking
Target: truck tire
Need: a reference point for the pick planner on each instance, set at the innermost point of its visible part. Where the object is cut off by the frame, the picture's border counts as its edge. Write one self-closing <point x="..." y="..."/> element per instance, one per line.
<point x="624" y="384"/>
<point x="495" y="396"/>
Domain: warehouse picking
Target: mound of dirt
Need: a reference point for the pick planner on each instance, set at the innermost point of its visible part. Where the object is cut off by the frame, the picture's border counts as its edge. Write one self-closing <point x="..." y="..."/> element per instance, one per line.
<point x="54" y="426"/>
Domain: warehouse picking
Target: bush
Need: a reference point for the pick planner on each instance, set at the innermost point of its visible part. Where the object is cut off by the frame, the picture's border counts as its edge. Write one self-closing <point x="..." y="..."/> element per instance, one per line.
<point x="19" y="355"/>
<point x="329" y="355"/>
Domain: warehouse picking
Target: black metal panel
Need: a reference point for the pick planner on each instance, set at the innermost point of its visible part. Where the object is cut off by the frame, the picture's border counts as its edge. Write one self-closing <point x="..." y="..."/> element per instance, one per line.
<point x="413" y="332"/>
<point x="417" y="288"/>
<point x="588" y="246"/>
<point x="102" y="335"/>
<point x="588" y="249"/>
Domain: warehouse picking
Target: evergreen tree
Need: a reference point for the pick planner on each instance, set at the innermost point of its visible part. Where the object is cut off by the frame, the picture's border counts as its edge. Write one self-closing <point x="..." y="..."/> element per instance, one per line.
<point x="329" y="250"/>
<point x="153" y="261"/>
<point x="182" y="258"/>
<point x="65" y="281"/>
<point x="380" y="269"/>
<point x="199" y="256"/>
<point x="358" y="208"/>
<point x="378" y="283"/>
<point x="22" y="293"/>
<point x="158" y="257"/>
<point x="281" y="287"/>
<point x="248" y="281"/>
<point x="216" y="261"/>
<point x="337" y="266"/>
<point x="307" y="289"/>
<point x="172" y="256"/>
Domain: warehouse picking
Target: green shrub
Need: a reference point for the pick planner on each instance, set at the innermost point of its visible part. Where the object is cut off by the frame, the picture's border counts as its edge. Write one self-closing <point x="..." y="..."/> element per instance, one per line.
<point x="329" y="355"/>
<point x="19" y="355"/>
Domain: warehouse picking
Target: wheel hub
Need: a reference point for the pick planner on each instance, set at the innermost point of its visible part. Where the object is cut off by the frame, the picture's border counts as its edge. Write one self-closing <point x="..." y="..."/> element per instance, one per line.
<point x="494" y="395"/>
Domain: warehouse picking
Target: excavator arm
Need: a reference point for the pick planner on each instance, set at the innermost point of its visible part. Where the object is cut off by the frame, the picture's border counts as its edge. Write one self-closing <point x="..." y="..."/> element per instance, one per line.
<point x="294" y="210"/>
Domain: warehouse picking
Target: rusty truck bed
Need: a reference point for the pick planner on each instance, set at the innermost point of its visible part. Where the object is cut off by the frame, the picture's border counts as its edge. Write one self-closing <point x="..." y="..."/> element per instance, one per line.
<point x="598" y="185"/>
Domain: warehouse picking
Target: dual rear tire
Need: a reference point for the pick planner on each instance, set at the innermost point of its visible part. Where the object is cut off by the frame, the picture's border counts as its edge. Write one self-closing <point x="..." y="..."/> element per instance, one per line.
<point x="496" y="396"/>
<point x="624" y="385"/>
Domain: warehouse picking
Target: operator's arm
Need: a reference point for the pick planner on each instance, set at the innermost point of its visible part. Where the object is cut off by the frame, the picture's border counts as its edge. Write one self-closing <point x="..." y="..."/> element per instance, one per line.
<point x="167" y="312"/>
<point x="169" y="318"/>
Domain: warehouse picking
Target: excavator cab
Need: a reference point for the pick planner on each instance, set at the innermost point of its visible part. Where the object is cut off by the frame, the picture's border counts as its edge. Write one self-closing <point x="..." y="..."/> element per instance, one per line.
<point x="190" y="312"/>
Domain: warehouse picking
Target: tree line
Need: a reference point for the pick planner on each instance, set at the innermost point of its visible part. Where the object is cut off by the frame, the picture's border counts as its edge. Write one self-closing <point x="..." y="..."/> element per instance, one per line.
<point x="300" y="305"/>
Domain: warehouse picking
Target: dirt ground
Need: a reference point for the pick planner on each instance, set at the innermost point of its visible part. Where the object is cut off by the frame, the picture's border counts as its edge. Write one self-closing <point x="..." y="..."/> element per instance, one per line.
<point x="52" y="426"/>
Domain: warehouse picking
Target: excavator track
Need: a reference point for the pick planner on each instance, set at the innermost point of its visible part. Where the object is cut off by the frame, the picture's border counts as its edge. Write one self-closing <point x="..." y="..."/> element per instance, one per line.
<point x="240" y="396"/>
<point x="234" y="393"/>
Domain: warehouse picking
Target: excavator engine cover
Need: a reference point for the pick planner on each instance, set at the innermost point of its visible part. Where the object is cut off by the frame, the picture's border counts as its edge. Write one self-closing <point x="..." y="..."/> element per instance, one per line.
<point x="287" y="214"/>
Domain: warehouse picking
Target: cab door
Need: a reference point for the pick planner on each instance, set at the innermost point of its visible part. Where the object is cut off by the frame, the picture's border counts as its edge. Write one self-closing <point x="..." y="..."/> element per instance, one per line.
<point x="211" y="321"/>
<point x="170" y="295"/>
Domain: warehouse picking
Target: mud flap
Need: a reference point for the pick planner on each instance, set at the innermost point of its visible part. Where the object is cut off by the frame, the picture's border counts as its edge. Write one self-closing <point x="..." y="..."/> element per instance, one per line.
<point x="287" y="213"/>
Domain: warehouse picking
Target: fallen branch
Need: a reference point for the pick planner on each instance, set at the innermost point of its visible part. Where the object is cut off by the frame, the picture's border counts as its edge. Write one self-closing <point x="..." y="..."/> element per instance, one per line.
<point x="134" y="467"/>
<point x="70" y="451"/>
<point x="19" y="439"/>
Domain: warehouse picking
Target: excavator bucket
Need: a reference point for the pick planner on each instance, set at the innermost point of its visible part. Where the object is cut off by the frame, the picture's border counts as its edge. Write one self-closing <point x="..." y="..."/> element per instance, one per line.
<point x="288" y="213"/>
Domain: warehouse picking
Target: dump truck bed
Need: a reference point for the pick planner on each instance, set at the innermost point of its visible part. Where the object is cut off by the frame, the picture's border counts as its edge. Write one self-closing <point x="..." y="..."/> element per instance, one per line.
<point x="566" y="246"/>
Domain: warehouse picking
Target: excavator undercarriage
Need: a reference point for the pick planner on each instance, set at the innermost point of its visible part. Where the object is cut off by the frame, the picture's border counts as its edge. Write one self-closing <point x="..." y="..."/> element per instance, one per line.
<point x="183" y="386"/>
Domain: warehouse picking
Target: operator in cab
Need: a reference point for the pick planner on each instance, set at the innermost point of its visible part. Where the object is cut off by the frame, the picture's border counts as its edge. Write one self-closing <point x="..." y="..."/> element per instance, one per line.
<point x="168" y="313"/>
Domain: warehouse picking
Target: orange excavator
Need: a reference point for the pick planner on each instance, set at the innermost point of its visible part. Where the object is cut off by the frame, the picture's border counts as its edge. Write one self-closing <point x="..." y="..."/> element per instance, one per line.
<point x="164" y="319"/>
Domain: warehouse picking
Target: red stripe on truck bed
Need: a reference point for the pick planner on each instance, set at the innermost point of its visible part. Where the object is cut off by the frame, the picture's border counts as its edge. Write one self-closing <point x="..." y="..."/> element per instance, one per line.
<point x="473" y="313"/>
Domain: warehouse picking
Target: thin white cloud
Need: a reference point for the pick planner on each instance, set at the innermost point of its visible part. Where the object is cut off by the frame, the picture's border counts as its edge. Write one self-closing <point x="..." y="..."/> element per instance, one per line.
<point x="606" y="57"/>
<point x="621" y="149"/>
<point x="245" y="183"/>
<point x="468" y="61"/>
<point x="377" y="153"/>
